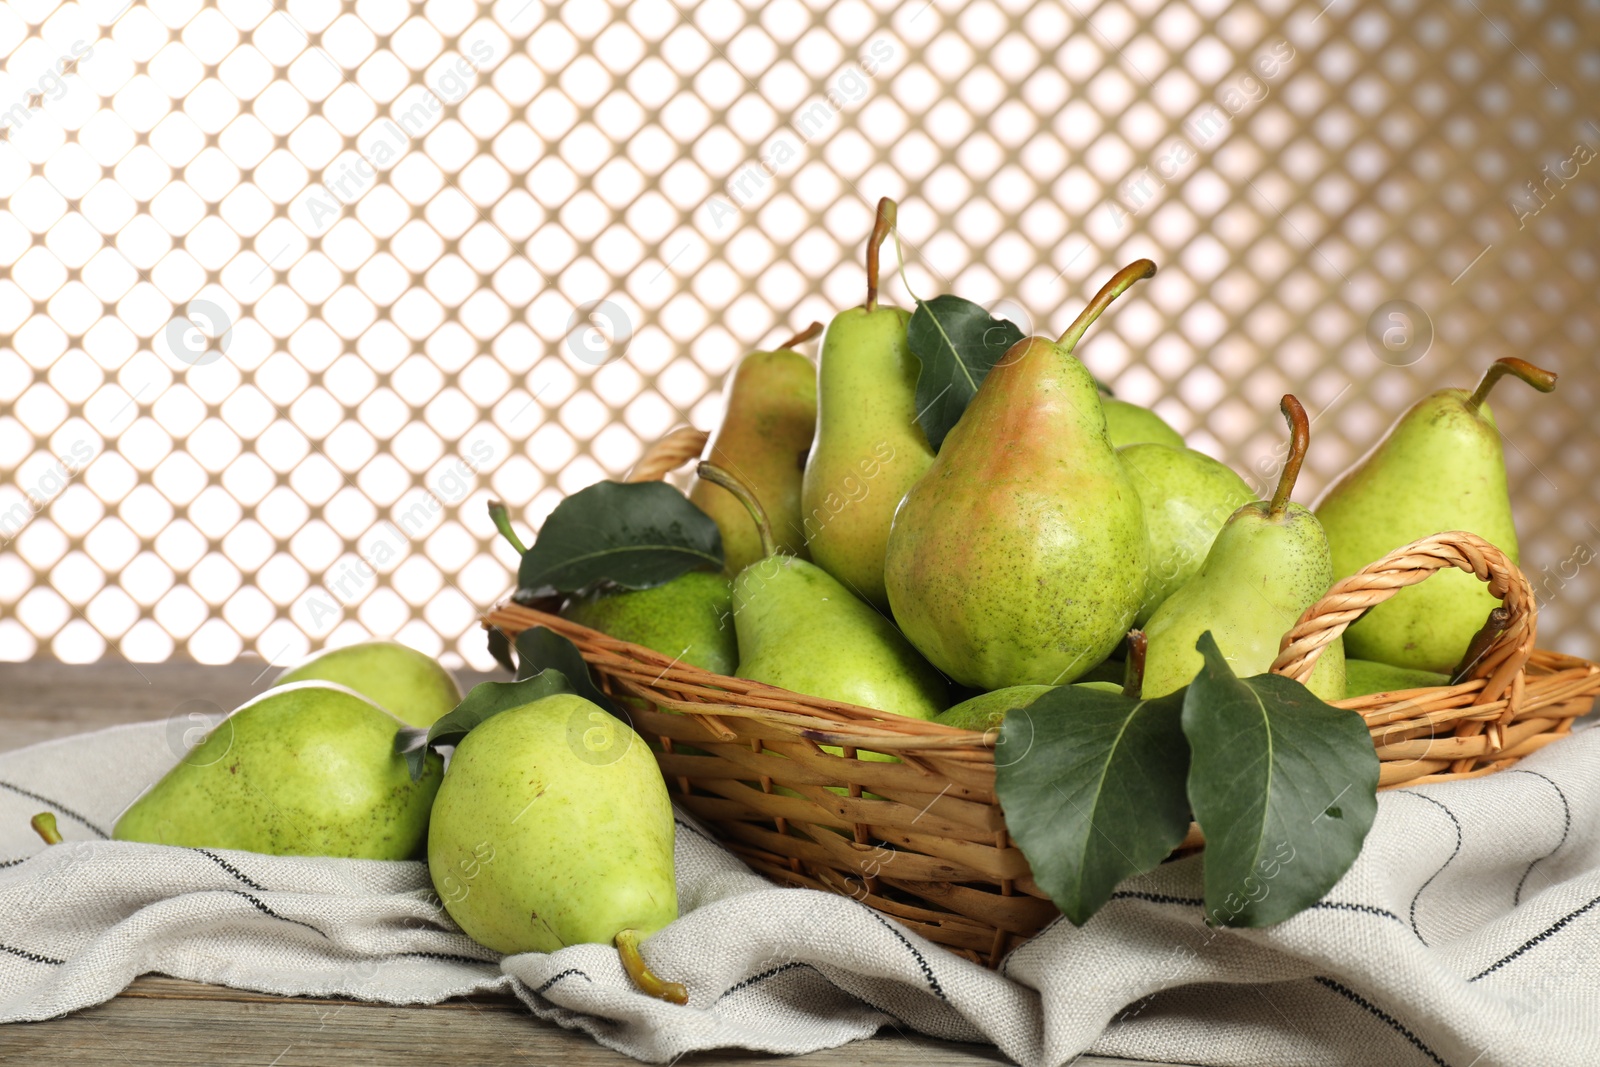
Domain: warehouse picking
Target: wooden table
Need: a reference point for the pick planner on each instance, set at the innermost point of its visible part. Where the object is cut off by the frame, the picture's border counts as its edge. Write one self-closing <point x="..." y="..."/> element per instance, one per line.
<point x="164" y="1021"/>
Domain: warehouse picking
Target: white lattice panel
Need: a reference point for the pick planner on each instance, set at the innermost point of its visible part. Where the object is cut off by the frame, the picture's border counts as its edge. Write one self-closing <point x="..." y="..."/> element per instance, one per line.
<point x="291" y="290"/>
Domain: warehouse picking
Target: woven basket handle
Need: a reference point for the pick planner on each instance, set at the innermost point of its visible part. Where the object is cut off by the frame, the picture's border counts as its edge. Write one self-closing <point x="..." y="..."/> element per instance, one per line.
<point x="1500" y="663"/>
<point x="668" y="454"/>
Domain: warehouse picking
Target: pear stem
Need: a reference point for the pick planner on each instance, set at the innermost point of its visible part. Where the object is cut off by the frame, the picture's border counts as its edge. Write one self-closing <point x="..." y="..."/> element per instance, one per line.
<point x="628" y="948"/>
<point x="803" y="336"/>
<point x="1133" y="679"/>
<point x="710" y="472"/>
<point x="502" y="522"/>
<point x="1299" y="441"/>
<point x="44" y="824"/>
<point x="881" y="228"/>
<point x="1541" y="379"/>
<point x="1119" y="284"/>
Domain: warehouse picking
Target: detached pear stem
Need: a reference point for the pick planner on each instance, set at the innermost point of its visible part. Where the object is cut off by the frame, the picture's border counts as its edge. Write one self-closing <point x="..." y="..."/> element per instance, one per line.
<point x="710" y="472"/>
<point x="628" y="948"/>
<point x="502" y="522"/>
<point x="881" y="228"/>
<point x="1133" y="679"/>
<point x="1299" y="441"/>
<point x="44" y="824"/>
<point x="803" y="336"/>
<point x="1541" y="379"/>
<point x="1119" y="284"/>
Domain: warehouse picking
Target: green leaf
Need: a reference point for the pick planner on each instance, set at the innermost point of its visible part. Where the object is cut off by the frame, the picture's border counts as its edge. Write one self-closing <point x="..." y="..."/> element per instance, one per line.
<point x="1283" y="786"/>
<point x="957" y="342"/>
<point x="636" y="534"/>
<point x="484" y="702"/>
<point x="1092" y="787"/>
<point x="541" y="649"/>
<point x="500" y="648"/>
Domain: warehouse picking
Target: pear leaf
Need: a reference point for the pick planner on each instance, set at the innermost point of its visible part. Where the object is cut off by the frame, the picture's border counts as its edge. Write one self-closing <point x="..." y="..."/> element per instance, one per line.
<point x="484" y="702"/>
<point x="957" y="342"/>
<point x="500" y="648"/>
<point x="541" y="649"/>
<point x="1092" y="787"/>
<point x="1283" y="786"/>
<point x="636" y="534"/>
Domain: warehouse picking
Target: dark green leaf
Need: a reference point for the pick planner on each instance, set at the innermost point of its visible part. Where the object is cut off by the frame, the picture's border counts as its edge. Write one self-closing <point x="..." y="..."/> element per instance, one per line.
<point x="1283" y="786"/>
<point x="541" y="649"/>
<point x="957" y="342"/>
<point x="636" y="534"/>
<point x="500" y="648"/>
<point x="484" y="702"/>
<point x="1092" y="787"/>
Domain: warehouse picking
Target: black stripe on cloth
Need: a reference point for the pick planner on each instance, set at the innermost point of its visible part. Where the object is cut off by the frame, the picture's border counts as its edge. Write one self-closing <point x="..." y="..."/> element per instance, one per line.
<point x="1156" y="898"/>
<point x="1365" y="909"/>
<point x="230" y="868"/>
<point x="1554" y="928"/>
<point x="754" y="979"/>
<point x="1394" y="1024"/>
<point x="68" y="812"/>
<point x="569" y="972"/>
<point x="268" y="911"/>
<point x="922" y="961"/>
<point x="446" y="957"/>
<point x="693" y="831"/>
<point x="1322" y="905"/>
<point x="32" y="957"/>
<point x="1566" y="828"/>
<point x="762" y="977"/>
<point x="12" y="863"/>
<point x="1457" y="823"/>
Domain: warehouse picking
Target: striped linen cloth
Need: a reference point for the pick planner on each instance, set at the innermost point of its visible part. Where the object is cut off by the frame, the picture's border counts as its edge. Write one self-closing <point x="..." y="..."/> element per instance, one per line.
<point x="1467" y="935"/>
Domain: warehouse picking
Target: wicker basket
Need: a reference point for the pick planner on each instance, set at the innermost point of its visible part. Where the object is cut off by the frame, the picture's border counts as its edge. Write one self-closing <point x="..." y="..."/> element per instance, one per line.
<point x="924" y="841"/>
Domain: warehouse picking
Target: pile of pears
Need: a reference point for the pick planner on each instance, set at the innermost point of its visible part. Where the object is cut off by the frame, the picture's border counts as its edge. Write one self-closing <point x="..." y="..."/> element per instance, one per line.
<point x="1057" y="536"/>
<point x="533" y="843"/>
<point x="865" y="566"/>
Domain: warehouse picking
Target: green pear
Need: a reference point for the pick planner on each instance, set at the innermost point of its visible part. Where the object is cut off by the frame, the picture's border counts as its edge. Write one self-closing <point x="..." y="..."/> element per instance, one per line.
<point x="689" y="618"/>
<point x="1438" y="468"/>
<point x="869" y="447"/>
<point x="410" y="684"/>
<point x="1186" y="497"/>
<point x="769" y="418"/>
<point x="987" y="710"/>
<point x="1267" y="565"/>
<point x="307" y="769"/>
<point x="1020" y="558"/>
<point x="553" y="828"/>
<point x="800" y="629"/>
<point x="1130" y="424"/>
<point x="1363" y="676"/>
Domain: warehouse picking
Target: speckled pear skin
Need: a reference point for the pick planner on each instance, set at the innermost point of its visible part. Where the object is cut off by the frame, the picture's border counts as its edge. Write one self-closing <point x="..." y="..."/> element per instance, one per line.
<point x="802" y="630"/>
<point x="1186" y="496"/>
<point x="769" y="418"/>
<point x="402" y="680"/>
<point x="1020" y="557"/>
<point x="1440" y="467"/>
<point x="306" y="770"/>
<point x="1259" y="576"/>
<point x="869" y="447"/>
<point x="1130" y="424"/>
<point x="553" y="828"/>
<point x="1363" y="676"/>
<point x="690" y="617"/>
<point x="986" y="711"/>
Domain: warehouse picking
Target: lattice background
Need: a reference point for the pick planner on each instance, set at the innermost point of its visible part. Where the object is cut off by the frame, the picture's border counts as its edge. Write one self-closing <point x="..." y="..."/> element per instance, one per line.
<point x="245" y="346"/>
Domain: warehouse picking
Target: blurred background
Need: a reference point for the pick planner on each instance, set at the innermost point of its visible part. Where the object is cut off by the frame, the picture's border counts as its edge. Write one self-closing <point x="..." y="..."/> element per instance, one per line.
<point x="291" y="290"/>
